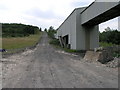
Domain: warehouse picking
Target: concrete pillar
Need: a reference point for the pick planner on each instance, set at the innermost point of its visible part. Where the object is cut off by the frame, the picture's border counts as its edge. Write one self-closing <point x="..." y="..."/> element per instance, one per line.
<point x="91" y="37"/>
<point x="87" y="37"/>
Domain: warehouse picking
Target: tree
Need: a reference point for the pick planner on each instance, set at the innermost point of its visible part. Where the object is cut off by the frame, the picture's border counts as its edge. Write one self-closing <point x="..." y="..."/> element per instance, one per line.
<point x="45" y="30"/>
<point x="40" y="29"/>
<point x="51" y="32"/>
<point x="51" y="28"/>
<point x="110" y="36"/>
<point x="108" y="29"/>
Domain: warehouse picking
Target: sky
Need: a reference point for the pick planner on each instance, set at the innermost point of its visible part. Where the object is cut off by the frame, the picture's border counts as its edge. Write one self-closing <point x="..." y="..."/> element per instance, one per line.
<point x="44" y="13"/>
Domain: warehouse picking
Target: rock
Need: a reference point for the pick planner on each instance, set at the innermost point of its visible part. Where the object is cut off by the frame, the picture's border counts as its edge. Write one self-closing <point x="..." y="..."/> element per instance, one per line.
<point x="92" y="56"/>
<point x="105" y="57"/>
<point x="114" y="63"/>
<point x="101" y="56"/>
<point x="98" y="49"/>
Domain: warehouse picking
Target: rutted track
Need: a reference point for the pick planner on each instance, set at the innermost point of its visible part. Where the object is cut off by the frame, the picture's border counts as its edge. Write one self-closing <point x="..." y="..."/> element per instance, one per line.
<point x="47" y="67"/>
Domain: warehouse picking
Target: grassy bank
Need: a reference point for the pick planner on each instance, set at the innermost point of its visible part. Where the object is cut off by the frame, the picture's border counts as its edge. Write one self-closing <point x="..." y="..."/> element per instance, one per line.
<point x="105" y="44"/>
<point x="20" y="42"/>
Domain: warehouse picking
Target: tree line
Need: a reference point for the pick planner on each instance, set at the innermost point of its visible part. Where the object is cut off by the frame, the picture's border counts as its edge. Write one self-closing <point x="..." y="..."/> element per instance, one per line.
<point x="110" y="36"/>
<point x="18" y="30"/>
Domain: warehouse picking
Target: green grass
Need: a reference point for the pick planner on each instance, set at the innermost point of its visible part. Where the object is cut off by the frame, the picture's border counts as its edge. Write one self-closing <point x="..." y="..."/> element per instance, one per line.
<point x="20" y="42"/>
<point x="105" y="44"/>
<point x="54" y="42"/>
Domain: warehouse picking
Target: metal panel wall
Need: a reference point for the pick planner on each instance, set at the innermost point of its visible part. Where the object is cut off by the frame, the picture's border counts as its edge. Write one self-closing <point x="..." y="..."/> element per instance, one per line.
<point x="68" y="27"/>
<point x="96" y="9"/>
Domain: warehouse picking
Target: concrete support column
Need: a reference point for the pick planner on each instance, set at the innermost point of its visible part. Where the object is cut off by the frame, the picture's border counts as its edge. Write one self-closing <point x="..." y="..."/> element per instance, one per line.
<point x="87" y="39"/>
<point x="91" y="37"/>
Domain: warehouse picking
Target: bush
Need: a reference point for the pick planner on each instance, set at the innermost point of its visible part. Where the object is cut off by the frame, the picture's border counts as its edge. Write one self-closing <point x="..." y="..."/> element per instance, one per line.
<point x="51" y="32"/>
<point x="110" y="36"/>
<point x="105" y="44"/>
<point x="55" y="42"/>
<point x="116" y="54"/>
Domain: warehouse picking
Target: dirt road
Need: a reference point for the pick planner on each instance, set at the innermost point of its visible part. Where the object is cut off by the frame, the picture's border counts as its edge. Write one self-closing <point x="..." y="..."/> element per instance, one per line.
<point x="47" y="67"/>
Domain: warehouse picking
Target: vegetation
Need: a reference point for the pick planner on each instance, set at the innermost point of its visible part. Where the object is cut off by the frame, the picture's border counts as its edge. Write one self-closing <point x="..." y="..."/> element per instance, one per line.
<point x="18" y="30"/>
<point x="55" y="42"/>
<point x="19" y="35"/>
<point x="51" y="32"/>
<point x="109" y="37"/>
<point x="20" y="42"/>
<point x="45" y="29"/>
<point x="105" y="44"/>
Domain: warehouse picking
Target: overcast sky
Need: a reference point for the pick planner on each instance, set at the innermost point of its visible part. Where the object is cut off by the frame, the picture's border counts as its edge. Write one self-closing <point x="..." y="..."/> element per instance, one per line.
<point x="43" y="13"/>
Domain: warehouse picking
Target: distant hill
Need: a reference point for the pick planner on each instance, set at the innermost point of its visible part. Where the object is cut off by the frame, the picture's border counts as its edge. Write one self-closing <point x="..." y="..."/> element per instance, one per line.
<point x="18" y="30"/>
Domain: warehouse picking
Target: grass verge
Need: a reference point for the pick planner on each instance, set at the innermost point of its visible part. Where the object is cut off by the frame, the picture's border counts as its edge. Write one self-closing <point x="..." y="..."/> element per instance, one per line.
<point x="20" y="42"/>
<point x="105" y="44"/>
<point x="114" y="53"/>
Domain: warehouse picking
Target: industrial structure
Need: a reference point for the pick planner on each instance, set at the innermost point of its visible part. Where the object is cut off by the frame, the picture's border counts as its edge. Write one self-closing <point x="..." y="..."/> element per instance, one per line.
<point x="80" y="31"/>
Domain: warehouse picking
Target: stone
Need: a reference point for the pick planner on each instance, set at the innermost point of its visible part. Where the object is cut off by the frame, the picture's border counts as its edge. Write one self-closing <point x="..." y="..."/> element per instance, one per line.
<point x="101" y="56"/>
<point x="114" y="63"/>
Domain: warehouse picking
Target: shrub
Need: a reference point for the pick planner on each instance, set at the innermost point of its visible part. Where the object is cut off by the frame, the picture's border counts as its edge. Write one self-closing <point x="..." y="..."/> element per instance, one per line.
<point x="55" y="42"/>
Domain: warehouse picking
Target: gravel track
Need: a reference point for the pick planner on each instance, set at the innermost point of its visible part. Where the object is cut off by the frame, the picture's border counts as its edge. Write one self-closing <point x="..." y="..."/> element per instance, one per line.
<point x="48" y="67"/>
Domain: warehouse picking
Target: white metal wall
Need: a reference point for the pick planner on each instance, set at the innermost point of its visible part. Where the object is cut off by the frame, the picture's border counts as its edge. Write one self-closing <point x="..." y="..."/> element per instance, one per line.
<point x="77" y="33"/>
<point x="69" y="28"/>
